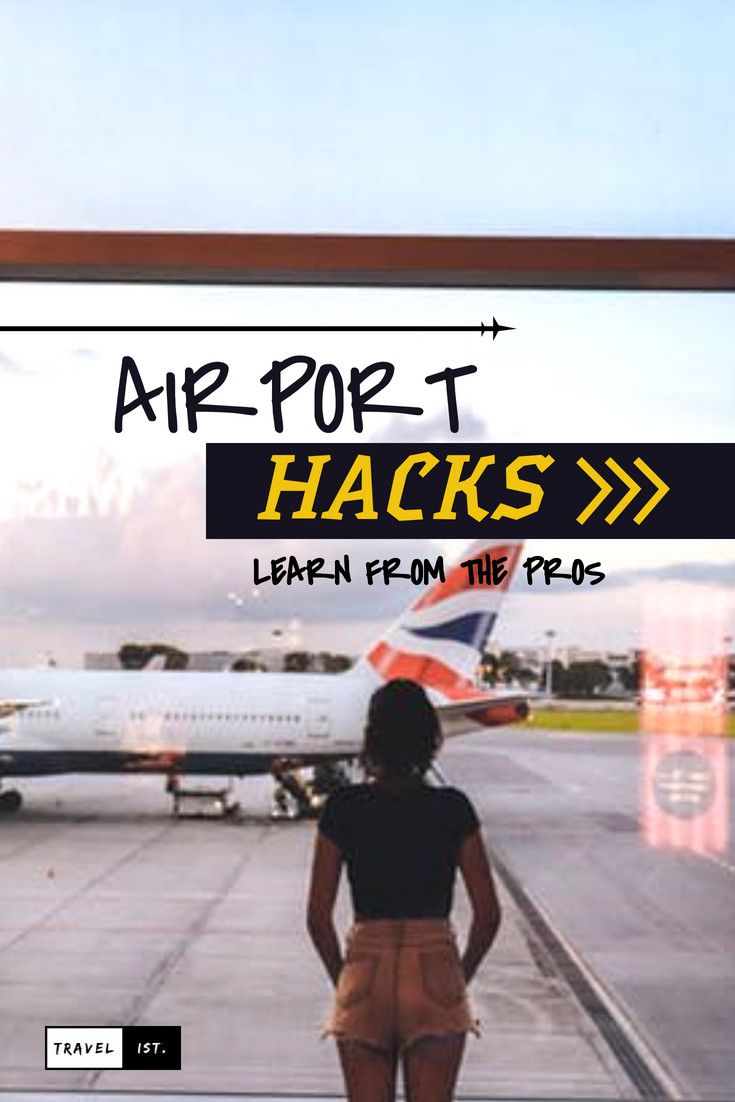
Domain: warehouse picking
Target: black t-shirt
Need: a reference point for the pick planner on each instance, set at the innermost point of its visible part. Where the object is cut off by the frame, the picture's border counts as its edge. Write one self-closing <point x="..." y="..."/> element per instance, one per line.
<point x="400" y="848"/>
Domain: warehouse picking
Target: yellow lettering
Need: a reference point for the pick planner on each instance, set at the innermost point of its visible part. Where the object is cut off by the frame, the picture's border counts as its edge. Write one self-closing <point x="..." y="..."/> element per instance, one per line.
<point x="280" y="485"/>
<point x="398" y="485"/>
<point x="523" y="486"/>
<point x="467" y="486"/>
<point x="360" y="471"/>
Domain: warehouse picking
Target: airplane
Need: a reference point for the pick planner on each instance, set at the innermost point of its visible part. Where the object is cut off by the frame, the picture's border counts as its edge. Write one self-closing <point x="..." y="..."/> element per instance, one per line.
<point x="179" y="723"/>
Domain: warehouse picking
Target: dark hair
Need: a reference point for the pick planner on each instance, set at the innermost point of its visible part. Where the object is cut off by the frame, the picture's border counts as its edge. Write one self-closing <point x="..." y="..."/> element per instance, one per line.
<point x="402" y="733"/>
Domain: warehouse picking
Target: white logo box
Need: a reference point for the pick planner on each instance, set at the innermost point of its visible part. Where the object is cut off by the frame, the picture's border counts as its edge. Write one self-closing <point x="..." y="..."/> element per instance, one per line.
<point x="87" y="1047"/>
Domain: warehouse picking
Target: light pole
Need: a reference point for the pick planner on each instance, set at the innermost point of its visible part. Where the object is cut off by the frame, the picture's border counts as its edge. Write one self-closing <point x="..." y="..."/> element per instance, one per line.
<point x="550" y="634"/>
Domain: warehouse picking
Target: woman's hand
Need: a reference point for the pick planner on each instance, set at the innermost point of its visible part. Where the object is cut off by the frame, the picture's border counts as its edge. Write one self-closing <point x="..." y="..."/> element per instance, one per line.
<point x="478" y="879"/>
<point x="325" y="873"/>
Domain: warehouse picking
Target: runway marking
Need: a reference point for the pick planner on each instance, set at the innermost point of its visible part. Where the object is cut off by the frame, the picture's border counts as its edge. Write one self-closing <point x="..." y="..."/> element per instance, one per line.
<point x="166" y="966"/>
<point x="84" y="888"/>
<point x="633" y="1051"/>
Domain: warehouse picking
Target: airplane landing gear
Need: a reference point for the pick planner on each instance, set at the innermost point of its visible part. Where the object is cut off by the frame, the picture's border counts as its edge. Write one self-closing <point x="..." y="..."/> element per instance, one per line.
<point x="330" y="776"/>
<point x="298" y="796"/>
<point x="285" y="806"/>
<point x="295" y="797"/>
<point x="10" y="801"/>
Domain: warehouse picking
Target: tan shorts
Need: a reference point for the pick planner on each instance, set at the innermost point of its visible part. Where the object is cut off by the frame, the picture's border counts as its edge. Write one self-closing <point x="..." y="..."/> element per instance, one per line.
<point x="401" y="981"/>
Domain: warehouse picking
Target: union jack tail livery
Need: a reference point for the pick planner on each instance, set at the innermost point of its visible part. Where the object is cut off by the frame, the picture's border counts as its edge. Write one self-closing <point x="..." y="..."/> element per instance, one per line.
<point x="439" y="640"/>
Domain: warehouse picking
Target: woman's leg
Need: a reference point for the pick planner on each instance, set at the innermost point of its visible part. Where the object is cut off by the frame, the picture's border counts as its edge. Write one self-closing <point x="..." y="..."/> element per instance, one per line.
<point x="430" y="1067"/>
<point x="370" y="1075"/>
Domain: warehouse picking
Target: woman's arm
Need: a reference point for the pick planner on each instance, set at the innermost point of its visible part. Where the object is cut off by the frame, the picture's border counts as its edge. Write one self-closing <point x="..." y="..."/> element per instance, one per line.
<point x="325" y="872"/>
<point x="478" y="878"/>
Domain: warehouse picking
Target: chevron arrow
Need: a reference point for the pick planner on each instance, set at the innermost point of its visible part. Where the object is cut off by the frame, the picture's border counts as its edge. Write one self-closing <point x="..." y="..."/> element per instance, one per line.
<point x="661" y="490"/>
<point x="633" y="489"/>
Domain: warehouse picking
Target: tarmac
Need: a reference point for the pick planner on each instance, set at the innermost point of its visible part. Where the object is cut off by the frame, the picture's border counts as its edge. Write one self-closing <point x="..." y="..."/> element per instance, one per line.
<point x="115" y="913"/>
<point x="654" y="924"/>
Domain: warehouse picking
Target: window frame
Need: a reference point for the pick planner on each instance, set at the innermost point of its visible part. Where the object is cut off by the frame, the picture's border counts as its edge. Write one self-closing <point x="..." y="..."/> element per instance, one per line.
<point x="612" y="263"/>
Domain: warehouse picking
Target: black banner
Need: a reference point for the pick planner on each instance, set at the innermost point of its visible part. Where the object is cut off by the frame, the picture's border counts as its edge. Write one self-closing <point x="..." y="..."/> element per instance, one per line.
<point x="364" y="491"/>
<point x="151" y="1046"/>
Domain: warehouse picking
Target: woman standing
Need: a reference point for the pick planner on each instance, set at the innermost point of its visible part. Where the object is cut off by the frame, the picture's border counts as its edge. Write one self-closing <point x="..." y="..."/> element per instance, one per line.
<point x="401" y="988"/>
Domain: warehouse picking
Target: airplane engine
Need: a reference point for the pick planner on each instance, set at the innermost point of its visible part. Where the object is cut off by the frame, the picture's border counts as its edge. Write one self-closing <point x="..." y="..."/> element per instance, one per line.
<point x="10" y="801"/>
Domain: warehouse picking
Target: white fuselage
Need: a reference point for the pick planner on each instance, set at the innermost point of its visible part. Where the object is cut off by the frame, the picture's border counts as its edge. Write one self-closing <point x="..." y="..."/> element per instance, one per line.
<point x="120" y="718"/>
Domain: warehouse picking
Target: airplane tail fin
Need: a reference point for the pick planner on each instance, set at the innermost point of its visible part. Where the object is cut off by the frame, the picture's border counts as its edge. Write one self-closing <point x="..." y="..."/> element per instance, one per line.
<point x="440" y="638"/>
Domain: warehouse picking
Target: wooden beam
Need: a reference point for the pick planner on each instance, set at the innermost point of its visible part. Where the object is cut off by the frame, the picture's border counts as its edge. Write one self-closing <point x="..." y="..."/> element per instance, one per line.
<point x="370" y="260"/>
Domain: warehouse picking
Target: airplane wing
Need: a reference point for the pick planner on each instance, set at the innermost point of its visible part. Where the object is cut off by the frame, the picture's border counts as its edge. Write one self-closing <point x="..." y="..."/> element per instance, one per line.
<point x="488" y="711"/>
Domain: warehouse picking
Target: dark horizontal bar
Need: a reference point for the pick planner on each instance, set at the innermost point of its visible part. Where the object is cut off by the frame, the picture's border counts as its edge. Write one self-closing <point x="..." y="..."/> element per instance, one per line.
<point x="633" y="263"/>
<point x="240" y="477"/>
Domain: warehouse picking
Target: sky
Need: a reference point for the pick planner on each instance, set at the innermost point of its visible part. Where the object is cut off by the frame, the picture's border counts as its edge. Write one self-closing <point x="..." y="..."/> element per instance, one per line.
<point x="609" y="117"/>
<point x="481" y="116"/>
<point x="102" y="534"/>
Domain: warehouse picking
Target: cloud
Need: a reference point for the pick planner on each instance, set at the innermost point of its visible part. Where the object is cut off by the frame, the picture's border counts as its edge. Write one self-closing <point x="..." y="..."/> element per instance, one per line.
<point x="153" y="563"/>
<point x="88" y="581"/>
<point x="721" y="574"/>
<point x="419" y="430"/>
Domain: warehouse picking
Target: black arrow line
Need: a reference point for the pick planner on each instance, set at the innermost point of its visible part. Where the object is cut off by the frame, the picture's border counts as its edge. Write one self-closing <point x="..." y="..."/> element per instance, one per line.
<point x="482" y="329"/>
